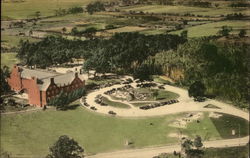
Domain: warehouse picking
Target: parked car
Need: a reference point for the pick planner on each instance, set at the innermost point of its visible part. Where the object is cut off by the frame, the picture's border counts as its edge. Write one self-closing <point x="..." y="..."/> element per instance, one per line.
<point x="112" y="112"/>
<point x="93" y="108"/>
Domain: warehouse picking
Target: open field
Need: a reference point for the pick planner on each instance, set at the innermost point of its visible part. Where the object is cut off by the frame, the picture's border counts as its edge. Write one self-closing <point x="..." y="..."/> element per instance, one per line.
<point x="212" y="28"/>
<point x="185" y="10"/>
<point x="8" y="59"/>
<point x="27" y="9"/>
<point x="13" y="41"/>
<point x="32" y="133"/>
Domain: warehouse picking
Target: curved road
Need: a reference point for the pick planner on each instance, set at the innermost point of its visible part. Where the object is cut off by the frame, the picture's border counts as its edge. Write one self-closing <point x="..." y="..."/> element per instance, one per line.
<point x="186" y="104"/>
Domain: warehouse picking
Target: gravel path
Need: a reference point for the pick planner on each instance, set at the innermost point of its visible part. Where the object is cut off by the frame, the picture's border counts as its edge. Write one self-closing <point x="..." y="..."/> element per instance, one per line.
<point x="185" y="104"/>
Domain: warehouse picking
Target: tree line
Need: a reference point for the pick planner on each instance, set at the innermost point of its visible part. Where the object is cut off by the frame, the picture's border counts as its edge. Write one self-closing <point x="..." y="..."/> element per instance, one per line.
<point x="123" y="51"/>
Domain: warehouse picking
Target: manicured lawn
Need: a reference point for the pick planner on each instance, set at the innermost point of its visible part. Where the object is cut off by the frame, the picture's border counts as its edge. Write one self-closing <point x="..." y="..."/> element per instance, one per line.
<point x="141" y="104"/>
<point x="205" y="128"/>
<point x="213" y="28"/>
<point x="8" y="59"/>
<point x="115" y="104"/>
<point x="162" y="94"/>
<point x="227" y="123"/>
<point x="32" y="133"/>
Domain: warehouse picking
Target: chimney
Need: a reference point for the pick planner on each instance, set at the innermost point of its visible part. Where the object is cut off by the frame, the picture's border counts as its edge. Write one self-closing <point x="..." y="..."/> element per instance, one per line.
<point x="52" y="80"/>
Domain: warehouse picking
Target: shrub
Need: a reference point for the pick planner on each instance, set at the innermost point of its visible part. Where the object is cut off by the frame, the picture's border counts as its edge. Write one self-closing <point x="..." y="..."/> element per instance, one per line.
<point x="63" y="99"/>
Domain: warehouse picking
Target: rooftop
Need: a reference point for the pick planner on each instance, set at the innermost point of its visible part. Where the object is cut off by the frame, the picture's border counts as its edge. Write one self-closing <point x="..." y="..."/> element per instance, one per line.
<point x="44" y="77"/>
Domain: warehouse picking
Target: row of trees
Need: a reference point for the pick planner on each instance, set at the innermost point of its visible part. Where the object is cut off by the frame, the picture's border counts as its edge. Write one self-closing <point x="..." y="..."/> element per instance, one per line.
<point x="73" y="10"/>
<point x="225" y="31"/>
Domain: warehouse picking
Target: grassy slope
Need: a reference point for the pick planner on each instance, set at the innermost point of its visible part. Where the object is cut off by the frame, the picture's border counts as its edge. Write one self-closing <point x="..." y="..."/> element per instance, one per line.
<point x="32" y="133"/>
<point x="213" y="28"/>
<point x="8" y="59"/>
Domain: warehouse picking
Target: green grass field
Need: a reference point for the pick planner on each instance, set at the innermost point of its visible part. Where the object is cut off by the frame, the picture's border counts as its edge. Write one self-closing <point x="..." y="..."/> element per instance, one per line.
<point x="227" y="123"/>
<point x="31" y="134"/>
<point x="13" y="41"/>
<point x="9" y="59"/>
<point x="115" y="104"/>
<point x="213" y="28"/>
<point x="185" y="9"/>
<point x="26" y="9"/>
<point x="162" y="94"/>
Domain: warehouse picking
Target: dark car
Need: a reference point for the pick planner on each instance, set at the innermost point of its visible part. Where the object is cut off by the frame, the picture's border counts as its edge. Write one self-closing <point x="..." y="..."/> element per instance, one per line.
<point x="93" y="108"/>
<point x="112" y="112"/>
<point x="199" y="99"/>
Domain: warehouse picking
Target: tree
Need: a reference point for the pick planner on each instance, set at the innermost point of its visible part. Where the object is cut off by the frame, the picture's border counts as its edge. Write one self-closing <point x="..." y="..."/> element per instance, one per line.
<point x="142" y="73"/>
<point x="95" y="7"/>
<point x="225" y="30"/>
<point x="216" y="5"/>
<point x="64" y="30"/>
<point x="37" y="14"/>
<point x="197" y="89"/>
<point x="74" y="31"/>
<point x="5" y="73"/>
<point x="89" y="32"/>
<point x="198" y="142"/>
<point x="242" y="33"/>
<point x="30" y="32"/>
<point x="185" y="22"/>
<point x="155" y="93"/>
<point x="184" y="34"/>
<point x="65" y="147"/>
<point x="188" y="150"/>
<point x="60" y="101"/>
<point x="75" y="10"/>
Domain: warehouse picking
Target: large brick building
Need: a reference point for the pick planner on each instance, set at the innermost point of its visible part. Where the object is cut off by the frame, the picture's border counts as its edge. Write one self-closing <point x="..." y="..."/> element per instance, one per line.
<point x="41" y="85"/>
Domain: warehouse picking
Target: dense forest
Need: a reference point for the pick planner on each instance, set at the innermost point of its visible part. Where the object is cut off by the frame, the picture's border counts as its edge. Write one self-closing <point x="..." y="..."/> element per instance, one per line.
<point x="122" y="51"/>
<point x="223" y="68"/>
